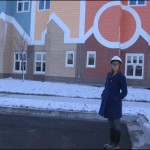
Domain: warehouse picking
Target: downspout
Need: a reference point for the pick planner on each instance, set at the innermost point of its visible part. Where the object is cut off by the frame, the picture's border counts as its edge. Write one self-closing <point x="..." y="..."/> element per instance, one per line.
<point x="119" y="28"/>
<point x="119" y="40"/>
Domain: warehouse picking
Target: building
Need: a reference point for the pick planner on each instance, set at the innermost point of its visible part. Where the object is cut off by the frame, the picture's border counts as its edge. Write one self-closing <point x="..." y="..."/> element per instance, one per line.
<point x="73" y="41"/>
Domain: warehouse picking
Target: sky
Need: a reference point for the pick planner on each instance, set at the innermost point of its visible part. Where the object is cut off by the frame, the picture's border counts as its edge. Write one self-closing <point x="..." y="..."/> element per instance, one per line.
<point x="70" y="97"/>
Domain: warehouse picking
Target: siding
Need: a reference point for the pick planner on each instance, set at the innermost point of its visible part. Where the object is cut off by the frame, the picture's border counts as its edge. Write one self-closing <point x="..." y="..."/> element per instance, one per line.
<point x="5" y="47"/>
<point x="92" y="8"/>
<point x="23" y="18"/>
<point x="143" y="12"/>
<point x="2" y="6"/>
<point x="69" y="13"/>
<point x="109" y="25"/>
<point x="140" y="47"/>
<point x="103" y="57"/>
<point x="56" y="53"/>
<point x="127" y="26"/>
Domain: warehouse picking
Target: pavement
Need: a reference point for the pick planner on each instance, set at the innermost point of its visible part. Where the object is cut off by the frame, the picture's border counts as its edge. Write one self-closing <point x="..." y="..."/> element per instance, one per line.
<point x="17" y="132"/>
<point x="138" y="133"/>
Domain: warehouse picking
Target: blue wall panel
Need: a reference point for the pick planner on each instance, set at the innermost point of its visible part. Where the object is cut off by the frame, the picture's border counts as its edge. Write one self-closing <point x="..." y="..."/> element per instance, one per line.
<point x="2" y="6"/>
<point x="23" y="18"/>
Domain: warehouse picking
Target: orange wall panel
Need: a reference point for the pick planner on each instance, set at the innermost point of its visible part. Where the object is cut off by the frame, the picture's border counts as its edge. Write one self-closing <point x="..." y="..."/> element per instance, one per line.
<point x="92" y="8"/>
<point x="143" y="12"/>
<point x="127" y="26"/>
<point x="109" y="23"/>
<point x="67" y="11"/>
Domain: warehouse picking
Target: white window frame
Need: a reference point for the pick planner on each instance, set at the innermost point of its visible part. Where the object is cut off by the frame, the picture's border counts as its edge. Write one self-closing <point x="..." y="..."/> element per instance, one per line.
<point x="66" y="64"/>
<point x="137" y="3"/>
<point x="41" y="61"/>
<point x="87" y="59"/>
<point x="23" y="2"/>
<point x="134" y="65"/>
<point x="44" y="9"/>
<point x="20" y="61"/>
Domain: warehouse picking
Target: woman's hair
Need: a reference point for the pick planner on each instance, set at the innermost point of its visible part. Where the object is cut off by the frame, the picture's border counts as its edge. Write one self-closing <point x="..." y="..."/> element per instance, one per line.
<point x="119" y="69"/>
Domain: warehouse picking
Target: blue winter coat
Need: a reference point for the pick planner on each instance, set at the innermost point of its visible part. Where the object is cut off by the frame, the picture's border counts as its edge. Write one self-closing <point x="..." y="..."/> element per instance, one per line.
<point x="115" y="90"/>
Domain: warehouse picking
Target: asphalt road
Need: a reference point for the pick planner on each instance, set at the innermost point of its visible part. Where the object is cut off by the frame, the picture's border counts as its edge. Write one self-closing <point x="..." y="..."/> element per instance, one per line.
<point x="21" y="132"/>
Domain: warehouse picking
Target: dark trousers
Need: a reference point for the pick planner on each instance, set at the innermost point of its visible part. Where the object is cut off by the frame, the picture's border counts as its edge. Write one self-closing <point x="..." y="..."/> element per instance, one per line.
<point x="115" y="130"/>
<point x="115" y="124"/>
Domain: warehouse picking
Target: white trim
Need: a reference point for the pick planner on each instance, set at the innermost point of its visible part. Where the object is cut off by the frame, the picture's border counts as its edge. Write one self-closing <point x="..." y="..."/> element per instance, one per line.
<point x="95" y="30"/>
<point x="97" y="33"/>
<point x="139" y="5"/>
<point x="42" y="40"/>
<point x="23" y="2"/>
<point x="82" y="18"/>
<point x="134" y="65"/>
<point x="11" y="20"/>
<point x="66" y="64"/>
<point x="64" y="28"/>
<point x="87" y="35"/>
<point x="82" y="36"/>
<point x="136" y="34"/>
<point x="20" y="61"/>
<point x="145" y="35"/>
<point x="87" y="59"/>
<point x="60" y="23"/>
<point x="33" y="12"/>
<point x="42" y="61"/>
<point x="44" y="6"/>
<point x="107" y="43"/>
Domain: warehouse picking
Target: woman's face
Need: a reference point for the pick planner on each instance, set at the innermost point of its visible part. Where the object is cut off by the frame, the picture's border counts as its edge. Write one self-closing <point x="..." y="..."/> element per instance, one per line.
<point x="115" y="65"/>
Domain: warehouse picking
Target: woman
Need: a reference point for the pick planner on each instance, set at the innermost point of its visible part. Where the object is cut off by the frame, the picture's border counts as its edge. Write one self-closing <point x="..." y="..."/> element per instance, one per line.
<point x="111" y="106"/>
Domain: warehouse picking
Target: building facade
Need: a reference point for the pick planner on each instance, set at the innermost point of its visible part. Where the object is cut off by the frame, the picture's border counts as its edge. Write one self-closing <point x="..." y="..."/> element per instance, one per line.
<point x="73" y="41"/>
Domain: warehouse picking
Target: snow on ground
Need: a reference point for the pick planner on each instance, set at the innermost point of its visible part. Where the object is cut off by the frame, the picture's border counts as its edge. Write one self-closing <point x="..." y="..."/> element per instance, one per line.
<point x="68" y="90"/>
<point x="10" y="85"/>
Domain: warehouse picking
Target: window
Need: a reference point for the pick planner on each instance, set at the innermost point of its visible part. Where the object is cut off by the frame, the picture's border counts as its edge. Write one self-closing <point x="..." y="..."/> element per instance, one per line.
<point x="69" y="59"/>
<point x="137" y="2"/>
<point x="91" y="59"/>
<point x="23" y="5"/>
<point x="134" y="66"/>
<point x="20" y="61"/>
<point x="40" y="62"/>
<point x="44" y="4"/>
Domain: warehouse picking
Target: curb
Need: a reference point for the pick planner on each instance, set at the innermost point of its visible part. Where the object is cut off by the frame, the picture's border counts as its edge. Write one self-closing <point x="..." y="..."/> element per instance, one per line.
<point x="49" y="113"/>
<point x="93" y="116"/>
<point x="138" y="133"/>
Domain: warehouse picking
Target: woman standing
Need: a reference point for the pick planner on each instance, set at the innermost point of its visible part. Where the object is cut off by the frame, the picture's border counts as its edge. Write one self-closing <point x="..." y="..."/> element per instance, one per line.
<point x="111" y="106"/>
